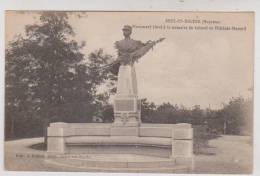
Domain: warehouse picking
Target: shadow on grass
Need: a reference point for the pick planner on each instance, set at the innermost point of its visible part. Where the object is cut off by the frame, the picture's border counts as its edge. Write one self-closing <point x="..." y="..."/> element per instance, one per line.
<point x="40" y="146"/>
<point x="201" y="144"/>
<point x="213" y="136"/>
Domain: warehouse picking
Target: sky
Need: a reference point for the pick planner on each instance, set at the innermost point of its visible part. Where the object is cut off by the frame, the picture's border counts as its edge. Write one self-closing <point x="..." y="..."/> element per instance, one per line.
<point x="205" y="67"/>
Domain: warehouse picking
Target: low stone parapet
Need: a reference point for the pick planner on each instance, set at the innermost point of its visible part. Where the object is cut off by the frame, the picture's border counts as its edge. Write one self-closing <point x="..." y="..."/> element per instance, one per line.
<point x="176" y="137"/>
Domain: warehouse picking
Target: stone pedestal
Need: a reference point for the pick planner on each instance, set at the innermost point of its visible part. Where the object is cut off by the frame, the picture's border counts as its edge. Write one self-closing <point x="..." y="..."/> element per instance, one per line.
<point x="127" y="107"/>
<point x="127" y="111"/>
<point x="127" y="116"/>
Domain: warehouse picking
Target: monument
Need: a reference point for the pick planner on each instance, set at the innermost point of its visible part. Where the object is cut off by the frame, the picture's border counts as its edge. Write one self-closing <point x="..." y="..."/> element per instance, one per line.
<point x="127" y="106"/>
<point x="171" y="143"/>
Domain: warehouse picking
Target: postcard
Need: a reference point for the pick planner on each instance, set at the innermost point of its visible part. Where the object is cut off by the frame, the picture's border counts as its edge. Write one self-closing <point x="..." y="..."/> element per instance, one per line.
<point x="129" y="91"/>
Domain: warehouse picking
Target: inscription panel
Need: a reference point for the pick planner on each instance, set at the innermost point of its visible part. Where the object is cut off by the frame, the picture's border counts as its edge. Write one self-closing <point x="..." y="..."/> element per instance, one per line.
<point x="124" y="105"/>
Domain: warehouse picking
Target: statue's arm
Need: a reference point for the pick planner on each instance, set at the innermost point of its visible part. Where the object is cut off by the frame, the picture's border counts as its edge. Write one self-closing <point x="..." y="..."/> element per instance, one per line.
<point x="143" y="48"/>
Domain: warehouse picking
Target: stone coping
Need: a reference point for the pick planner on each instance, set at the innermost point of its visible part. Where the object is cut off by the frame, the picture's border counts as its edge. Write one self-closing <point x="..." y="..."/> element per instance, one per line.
<point x="71" y="125"/>
<point x="175" y="131"/>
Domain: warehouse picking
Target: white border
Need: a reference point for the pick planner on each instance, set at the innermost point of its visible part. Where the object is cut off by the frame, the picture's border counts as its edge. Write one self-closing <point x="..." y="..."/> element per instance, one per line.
<point x="133" y="5"/>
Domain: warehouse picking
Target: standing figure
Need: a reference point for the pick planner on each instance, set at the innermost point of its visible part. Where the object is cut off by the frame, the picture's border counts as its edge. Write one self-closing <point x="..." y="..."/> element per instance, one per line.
<point x="129" y="51"/>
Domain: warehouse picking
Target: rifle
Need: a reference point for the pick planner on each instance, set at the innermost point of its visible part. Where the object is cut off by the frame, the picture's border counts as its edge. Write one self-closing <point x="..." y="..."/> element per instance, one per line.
<point x="135" y="55"/>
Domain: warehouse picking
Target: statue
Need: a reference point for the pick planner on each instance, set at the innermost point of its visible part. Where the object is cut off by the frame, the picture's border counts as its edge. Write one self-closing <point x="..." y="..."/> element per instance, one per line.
<point x="129" y="52"/>
<point x="126" y="104"/>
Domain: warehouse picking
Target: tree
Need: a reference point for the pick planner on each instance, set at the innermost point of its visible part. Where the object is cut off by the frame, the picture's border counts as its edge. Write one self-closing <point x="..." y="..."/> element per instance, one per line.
<point x="46" y="80"/>
<point x="147" y="110"/>
<point x="166" y="113"/>
<point x="236" y="116"/>
<point x="197" y="115"/>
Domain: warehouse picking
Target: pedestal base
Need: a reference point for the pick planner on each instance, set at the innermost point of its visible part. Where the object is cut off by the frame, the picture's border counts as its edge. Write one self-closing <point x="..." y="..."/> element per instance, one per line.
<point x="127" y="117"/>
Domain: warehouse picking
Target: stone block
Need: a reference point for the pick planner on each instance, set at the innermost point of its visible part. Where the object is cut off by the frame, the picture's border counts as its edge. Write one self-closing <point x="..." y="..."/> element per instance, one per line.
<point x="182" y="125"/>
<point x="157" y="125"/>
<point x="59" y="124"/>
<point x="55" y="131"/>
<point x="89" y="125"/>
<point x="188" y="161"/>
<point x="56" y="145"/>
<point x="183" y="133"/>
<point x="143" y="164"/>
<point x="56" y="140"/>
<point x="124" y="131"/>
<point x="182" y="148"/>
<point x="88" y="131"/>
<point x="156" y="132"/>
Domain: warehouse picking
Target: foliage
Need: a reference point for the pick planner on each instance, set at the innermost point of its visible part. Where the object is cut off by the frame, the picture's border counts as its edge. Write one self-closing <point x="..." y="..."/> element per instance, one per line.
<point x="237" y="116"/>
<point x="147" y="110"/>
<point x="234" y="118"/>
<point x="168" y="113"/>
<point x="47" y="80"/>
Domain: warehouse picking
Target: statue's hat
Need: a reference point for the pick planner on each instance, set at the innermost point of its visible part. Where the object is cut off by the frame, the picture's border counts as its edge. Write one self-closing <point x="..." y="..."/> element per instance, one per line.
<point x="127" y="27"/>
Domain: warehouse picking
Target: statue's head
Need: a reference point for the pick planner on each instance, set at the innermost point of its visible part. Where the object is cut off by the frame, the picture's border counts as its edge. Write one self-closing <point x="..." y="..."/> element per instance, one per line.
<point x="127" y="30"/>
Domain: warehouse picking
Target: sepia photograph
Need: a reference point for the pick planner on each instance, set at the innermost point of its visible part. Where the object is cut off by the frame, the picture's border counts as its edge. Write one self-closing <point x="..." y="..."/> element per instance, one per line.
<point x="129" y="91"/>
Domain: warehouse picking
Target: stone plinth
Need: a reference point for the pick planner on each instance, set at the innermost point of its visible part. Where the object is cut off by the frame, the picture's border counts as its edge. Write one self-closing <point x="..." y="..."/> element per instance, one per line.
<point x="127" y="116"/>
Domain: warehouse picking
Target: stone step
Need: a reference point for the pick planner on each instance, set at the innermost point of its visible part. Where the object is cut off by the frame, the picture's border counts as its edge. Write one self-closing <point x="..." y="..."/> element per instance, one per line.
<point x="138" y="167"/>
<point x="115" y="164"/>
